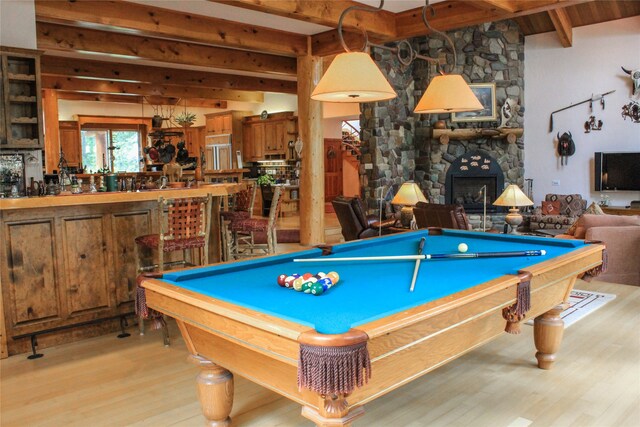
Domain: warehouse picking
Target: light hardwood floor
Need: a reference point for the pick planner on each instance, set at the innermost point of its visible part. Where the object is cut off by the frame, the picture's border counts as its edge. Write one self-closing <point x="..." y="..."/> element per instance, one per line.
<point x="137" y="381"/>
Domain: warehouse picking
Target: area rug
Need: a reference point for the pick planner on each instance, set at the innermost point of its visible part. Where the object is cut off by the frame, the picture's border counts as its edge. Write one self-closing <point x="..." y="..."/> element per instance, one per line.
<point x="283" y="236"/>
<point x="581" y="304"/>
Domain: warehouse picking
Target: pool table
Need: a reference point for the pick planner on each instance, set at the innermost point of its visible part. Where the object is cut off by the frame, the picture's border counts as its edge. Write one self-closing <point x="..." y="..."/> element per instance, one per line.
<point x="368" y="334"/>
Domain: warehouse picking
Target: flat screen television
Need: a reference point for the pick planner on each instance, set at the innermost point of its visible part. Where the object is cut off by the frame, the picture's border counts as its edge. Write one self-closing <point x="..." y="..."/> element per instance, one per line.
<point x="617" y="171"/>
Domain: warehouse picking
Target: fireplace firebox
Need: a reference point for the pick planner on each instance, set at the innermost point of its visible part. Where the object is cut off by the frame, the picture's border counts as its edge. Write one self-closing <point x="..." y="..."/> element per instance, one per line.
<point x="468" y="175"/>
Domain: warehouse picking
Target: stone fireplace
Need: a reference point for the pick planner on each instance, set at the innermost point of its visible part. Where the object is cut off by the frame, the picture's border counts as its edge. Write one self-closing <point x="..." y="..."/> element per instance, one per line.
<point x="469" y="176"/>
<point x="398" y="144"/>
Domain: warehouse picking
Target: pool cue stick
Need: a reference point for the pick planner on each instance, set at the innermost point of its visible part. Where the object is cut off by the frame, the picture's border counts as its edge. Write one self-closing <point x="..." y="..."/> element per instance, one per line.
<point x="417" y="267"/>
<point x="365" y="258"/>
<point x="489" y="254"/>
<point x="431" y="256"/>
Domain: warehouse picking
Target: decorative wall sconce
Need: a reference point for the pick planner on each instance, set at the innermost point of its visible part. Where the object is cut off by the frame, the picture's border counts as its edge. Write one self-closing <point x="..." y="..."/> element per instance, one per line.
<point x="354" y="77"/>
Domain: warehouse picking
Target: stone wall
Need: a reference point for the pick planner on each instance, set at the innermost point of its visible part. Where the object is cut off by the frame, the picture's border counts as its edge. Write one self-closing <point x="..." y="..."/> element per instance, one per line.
<point x="397" y="144"/>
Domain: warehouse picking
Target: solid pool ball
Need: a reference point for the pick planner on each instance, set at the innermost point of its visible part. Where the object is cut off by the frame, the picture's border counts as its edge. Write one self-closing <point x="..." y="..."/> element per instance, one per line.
<point x="316" y="289"/>
<point x="297" y="284"/>
<point x="281" y="279"/>
<point x="305" y="276"/>
<point x="334" y="277"/>
<point x="462" y="248"/>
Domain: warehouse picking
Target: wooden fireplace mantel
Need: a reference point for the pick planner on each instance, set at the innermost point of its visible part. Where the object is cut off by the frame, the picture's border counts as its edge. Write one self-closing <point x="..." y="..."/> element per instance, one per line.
<point x="511" y="134"/>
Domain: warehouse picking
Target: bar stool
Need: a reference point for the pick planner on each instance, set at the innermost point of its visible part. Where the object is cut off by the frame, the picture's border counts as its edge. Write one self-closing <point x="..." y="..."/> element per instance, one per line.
<point x="243" y="229"/>
<point x="187" y="229"/>
<point x="243" y="202"/>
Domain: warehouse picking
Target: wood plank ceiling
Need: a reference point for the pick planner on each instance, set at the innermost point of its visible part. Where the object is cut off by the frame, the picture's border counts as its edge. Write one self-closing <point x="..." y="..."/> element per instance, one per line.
<point x="208" y="61"/>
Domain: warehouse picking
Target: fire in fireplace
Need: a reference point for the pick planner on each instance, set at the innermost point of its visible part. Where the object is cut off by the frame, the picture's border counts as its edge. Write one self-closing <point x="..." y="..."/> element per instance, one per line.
<point x="466" y="178"/>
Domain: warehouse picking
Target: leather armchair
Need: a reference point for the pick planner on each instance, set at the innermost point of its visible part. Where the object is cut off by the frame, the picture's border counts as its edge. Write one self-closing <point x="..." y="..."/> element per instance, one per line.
<point x="443" y="216"/>
<point x="354" y="221"/>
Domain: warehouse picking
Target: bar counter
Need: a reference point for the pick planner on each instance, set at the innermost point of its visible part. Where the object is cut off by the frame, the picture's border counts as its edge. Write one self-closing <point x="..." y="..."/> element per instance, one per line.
<point x="68" y="262"/>
<point x="85" y="199"/>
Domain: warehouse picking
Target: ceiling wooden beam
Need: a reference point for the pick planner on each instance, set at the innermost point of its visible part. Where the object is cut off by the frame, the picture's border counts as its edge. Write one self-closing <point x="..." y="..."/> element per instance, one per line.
<point x="328" y="43"/>
<point x="454" y="14"/>
<point x="160" y="22"/>
<point x="123" y="88"/>
<point x="79" y="96"/>
<point x="562" y="23"/>
<point x="135" y="99"/>
<point x="379" y="23"/>
<point x="204" y="103"/>
<point x="62" y="66"/>
<point x="503" y="5"/>
<point x="75" y="39"/>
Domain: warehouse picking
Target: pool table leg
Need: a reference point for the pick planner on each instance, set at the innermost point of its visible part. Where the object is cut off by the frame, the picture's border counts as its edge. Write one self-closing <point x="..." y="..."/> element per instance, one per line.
<point x="547" y="335"/>
<point x="215" y="391"/>
<point x="333" y="411"/>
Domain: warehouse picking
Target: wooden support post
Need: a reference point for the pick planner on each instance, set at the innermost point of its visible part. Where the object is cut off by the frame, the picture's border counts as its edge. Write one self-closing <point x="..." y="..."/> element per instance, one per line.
<point x="51" y="129"/>
<point x="312" y="173"/>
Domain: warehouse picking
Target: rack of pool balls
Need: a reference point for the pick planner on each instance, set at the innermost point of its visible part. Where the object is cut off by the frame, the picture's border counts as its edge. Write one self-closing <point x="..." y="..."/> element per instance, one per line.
<point x="314" y="284"/>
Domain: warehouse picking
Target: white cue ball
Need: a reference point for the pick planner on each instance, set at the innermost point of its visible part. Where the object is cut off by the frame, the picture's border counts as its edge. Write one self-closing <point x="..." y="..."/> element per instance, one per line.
<point x="462" y="247"/>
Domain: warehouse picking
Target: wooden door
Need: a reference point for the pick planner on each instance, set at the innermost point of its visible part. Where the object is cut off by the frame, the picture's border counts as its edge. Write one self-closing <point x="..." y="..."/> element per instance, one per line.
<point x="280" y="137"/>
<point x="86" y="277"/>
<point x="270" y="137"/>
<point x="70" y="142"/>
<point x="332" y="168"/>
<point x="258" y="140"/>
<point x="226" y="123"/>
<point x="247" y="144"/>
<point x="225" y="157"/>
<point x="123" y="226"/>
<point x="29" y="288"/>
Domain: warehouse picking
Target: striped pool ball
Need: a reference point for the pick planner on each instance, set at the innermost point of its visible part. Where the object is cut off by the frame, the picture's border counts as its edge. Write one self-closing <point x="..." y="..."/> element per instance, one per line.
<point x="306" y="287"/>
<point x="335" y="277"/>
<point x="326" y="283"/>
<point x="297" y="284"/>
<point x="288" y="282"/>
<point x="281" y="279"/>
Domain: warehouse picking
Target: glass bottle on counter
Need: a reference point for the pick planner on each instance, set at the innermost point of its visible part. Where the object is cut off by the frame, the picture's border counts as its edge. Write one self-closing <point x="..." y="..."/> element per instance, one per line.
<point x="92" y="185"/>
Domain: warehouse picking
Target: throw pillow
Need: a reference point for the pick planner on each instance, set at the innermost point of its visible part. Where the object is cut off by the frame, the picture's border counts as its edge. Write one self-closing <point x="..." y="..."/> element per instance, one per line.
<point x="551" y="207"/>
<point x="593" y="209"/>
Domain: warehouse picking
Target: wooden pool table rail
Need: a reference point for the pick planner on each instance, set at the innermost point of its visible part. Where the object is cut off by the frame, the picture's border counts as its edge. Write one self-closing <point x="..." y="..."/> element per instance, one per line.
<point x="402" y="347"/>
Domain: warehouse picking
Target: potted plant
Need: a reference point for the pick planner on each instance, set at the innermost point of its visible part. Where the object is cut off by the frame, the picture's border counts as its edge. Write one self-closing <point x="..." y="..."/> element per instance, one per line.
<point x="185" y="119"/>
<point x="265" y="179"/>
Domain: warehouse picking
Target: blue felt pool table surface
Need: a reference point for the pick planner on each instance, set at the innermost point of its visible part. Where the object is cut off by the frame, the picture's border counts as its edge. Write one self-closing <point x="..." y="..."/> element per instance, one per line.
<point x="369" y="290"/>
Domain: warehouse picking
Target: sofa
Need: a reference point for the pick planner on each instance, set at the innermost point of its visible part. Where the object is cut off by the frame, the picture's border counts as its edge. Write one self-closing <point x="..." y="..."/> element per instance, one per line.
<point x="569" y="208"/>
<point x="444" y="216"/>
<point x="355" y="222"/>
<point x="621" y="235"/>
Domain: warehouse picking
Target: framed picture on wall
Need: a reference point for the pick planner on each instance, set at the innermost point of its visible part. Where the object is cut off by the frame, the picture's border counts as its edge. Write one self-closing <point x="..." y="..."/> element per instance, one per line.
<point x="486" y="94"/>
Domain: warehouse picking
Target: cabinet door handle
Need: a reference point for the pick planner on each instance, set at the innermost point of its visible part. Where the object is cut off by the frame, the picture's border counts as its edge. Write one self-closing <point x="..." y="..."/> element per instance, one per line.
<point x="72" y="289"/>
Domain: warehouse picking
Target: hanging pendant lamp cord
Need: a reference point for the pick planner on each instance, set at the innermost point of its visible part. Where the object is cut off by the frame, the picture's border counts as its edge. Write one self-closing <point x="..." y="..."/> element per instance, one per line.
<point x="440" y="33"/>
<point x="412" y="54"/>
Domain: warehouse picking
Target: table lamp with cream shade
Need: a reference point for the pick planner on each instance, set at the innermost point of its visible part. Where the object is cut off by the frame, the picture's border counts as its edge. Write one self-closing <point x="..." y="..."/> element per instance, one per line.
<point x="408" y="195"/>
<point x="513" y="197"/>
